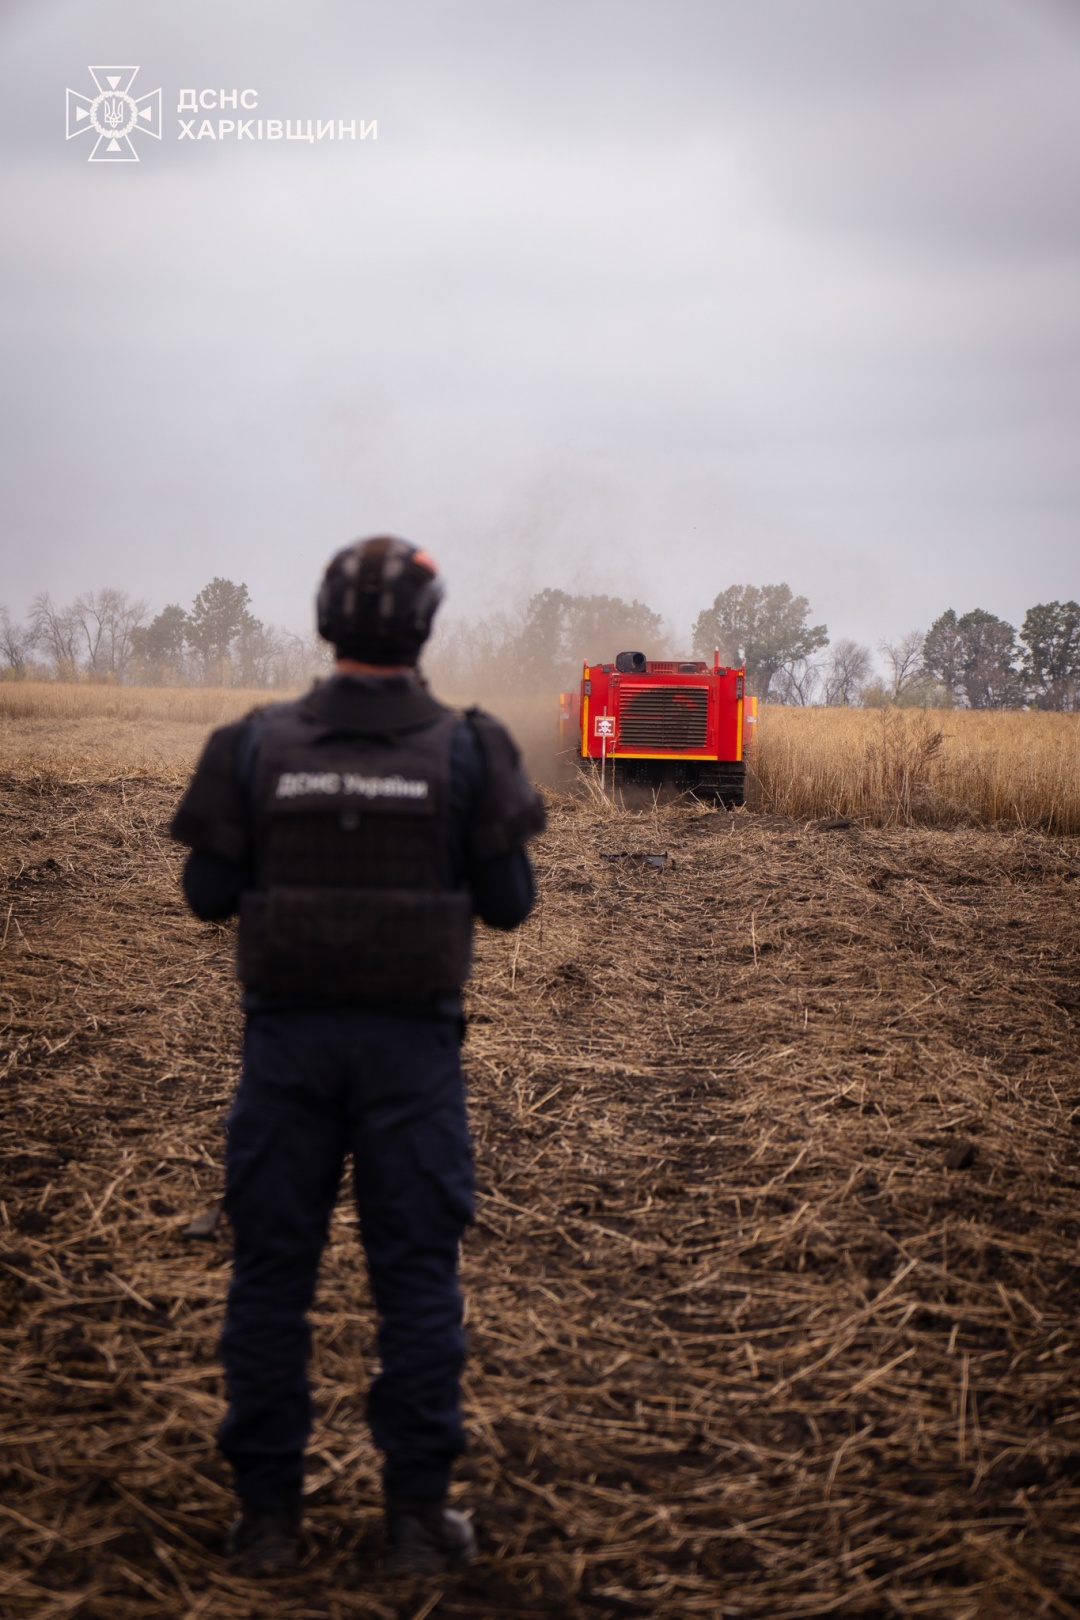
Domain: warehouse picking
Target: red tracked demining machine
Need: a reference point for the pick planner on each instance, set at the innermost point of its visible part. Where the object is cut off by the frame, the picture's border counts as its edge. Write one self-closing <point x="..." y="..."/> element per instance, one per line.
<point x="649" y="722"/>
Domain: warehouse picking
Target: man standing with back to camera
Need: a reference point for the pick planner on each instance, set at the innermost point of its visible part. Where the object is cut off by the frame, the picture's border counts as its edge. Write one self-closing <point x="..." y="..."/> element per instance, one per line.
<point x="356" y="831"/>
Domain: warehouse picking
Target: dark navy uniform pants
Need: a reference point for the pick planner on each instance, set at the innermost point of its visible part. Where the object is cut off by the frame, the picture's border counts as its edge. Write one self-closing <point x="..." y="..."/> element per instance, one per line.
<point x="317" y="1086"/>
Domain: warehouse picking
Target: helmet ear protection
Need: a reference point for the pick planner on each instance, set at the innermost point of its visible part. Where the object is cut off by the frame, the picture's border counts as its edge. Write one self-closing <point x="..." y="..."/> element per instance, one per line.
<point x="377" y="600"/>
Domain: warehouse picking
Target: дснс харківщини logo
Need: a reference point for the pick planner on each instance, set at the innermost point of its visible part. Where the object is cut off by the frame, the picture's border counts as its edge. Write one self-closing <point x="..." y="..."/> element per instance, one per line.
<point x="114" y="115"/>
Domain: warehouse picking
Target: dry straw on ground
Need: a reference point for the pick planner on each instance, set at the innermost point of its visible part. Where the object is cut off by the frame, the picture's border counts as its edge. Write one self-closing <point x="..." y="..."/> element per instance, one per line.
<point x="773" y="1289"/>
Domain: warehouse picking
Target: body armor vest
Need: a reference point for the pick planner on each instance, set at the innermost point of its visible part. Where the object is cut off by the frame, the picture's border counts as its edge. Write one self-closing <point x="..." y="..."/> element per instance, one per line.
<point x="353" y="895"/>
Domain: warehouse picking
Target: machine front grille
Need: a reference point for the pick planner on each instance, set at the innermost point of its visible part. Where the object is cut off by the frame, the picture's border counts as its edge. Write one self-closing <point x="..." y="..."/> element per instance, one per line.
<point x="663" y="717"/>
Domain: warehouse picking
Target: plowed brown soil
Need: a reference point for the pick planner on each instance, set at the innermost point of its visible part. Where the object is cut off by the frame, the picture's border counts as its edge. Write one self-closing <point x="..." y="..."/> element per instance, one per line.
<point x="773" y="1291"/>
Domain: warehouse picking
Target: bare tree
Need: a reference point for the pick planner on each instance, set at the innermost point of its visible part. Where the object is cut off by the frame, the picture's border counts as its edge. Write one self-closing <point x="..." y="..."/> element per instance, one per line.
<point x="56" y="631"/>
<point x="849" y="664"/>
<point x="107" y="624"/>
<point x="796" y="682"/>
<point x="298" y="660"/>
<point x="16" y="640"/>
<point x="269" y="655"/>
<point x="903" y="662"/>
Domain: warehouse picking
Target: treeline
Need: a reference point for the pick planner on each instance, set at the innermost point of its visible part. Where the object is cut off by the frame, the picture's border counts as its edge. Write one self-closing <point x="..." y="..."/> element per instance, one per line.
<point x="108" y="635"/>
<point x="972" y="660"/>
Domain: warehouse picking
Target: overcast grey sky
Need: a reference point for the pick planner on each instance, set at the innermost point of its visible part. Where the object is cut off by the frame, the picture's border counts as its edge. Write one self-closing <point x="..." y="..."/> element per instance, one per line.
<point x="641" y="296"/>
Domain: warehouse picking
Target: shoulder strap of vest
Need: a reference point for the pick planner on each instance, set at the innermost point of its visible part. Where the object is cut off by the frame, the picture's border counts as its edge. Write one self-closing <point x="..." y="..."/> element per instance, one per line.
<point x="250" y="741"/>
<point x="247" y="752"/>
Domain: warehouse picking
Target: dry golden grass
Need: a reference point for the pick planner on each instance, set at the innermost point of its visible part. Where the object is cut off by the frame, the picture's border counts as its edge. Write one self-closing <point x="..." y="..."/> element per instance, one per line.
<point x="98" y="733"/>
<point x="894" y="767"/>
<point x="57" y="702"/>
<point x="85" y="733"/>
<point x="881" y="768"/>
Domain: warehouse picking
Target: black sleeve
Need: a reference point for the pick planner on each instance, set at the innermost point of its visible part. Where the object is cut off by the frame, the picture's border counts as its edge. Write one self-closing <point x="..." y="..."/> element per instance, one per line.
<point x="509" y="811"/>
<point x="496" y="810"/>
<point x="212" y="885"/>
<point x="503" y="889"/>
<point x="212" y="817"/>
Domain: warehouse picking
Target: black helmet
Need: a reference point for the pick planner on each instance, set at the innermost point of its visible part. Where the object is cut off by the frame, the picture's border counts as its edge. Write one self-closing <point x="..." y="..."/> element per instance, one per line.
<point x="377" y="600"/>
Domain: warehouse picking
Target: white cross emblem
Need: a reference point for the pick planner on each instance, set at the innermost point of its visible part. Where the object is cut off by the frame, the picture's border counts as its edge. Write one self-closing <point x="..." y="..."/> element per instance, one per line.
<point x="114" y="115"/>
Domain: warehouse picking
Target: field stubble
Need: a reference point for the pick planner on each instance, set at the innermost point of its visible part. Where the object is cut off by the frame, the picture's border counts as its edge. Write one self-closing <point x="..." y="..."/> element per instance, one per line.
<point x="773" y="1289"/>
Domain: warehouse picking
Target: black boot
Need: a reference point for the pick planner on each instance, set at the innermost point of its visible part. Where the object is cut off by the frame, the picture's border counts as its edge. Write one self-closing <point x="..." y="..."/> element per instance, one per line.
<point x="266" y="1543"/>
<point x="425" y="1537"/>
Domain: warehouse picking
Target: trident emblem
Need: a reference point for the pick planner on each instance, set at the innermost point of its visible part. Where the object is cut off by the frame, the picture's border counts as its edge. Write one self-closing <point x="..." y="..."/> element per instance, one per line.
<point x="114" y="115"/>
